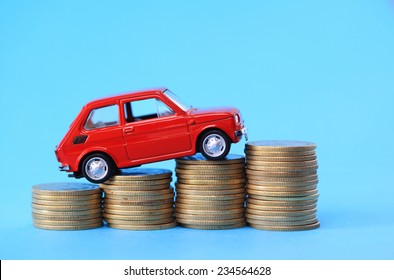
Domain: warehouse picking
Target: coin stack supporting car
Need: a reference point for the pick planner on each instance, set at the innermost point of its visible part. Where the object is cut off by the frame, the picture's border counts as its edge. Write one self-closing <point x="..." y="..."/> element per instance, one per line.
<point x="210" y="194"/>
<point x="67" y="206"/>
<point x="281" y="185"/>
<point x="139" y="199"/>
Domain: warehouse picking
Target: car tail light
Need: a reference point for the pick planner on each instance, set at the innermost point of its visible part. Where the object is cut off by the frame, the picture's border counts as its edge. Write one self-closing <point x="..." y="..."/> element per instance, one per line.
<point x="57" y="154"/>
<point x="80" y="139"/>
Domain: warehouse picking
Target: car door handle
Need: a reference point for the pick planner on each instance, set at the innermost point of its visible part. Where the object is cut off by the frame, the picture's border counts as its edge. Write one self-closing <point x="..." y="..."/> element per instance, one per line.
<point x="129" y="130"/>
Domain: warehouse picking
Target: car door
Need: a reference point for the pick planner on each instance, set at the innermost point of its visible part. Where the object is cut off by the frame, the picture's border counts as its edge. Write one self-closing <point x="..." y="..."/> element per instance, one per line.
<point x="152" y="129"/>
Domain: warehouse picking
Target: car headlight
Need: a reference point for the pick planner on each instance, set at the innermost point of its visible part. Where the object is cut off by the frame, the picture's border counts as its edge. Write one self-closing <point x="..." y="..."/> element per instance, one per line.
<point x="237" y="118"/>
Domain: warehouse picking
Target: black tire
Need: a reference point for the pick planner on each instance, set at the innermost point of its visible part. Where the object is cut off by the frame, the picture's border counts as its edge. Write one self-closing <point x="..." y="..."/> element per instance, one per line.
<point x="103" y="164"/>
<point x="214" y="144"/>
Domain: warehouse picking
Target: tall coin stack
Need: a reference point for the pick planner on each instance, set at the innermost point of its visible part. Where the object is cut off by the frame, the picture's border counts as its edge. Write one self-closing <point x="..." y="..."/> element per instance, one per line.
<point x="139" y="199"/>
<point x="210" y="194"/>
<point x="67" y="206"/>
<point x="281" y="185"/>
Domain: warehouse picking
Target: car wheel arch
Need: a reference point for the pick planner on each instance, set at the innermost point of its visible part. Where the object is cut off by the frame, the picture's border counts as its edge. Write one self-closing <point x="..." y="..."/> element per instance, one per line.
<point x="204" y="131"/>
<point x="85" y="155"/>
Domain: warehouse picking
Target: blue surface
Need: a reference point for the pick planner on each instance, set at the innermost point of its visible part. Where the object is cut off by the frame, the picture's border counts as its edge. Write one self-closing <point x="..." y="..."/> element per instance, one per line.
<point x="302" y="70"/>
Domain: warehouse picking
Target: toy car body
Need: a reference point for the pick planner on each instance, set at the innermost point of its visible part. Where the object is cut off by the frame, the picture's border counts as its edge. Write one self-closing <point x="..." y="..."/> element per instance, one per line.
<point x="144" y="127"/>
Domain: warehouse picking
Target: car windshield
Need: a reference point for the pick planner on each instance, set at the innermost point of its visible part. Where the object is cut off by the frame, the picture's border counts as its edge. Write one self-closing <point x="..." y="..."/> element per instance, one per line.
<point x="175" y="98"/>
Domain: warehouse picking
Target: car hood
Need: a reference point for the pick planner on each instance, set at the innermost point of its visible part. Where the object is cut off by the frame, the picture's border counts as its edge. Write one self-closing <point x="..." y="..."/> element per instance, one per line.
<point x="209" y="114"/>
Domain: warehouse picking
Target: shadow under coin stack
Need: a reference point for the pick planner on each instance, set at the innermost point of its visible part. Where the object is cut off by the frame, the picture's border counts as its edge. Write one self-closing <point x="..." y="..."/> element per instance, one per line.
<point x="139" y="199"/>
<point x="67" y="206"/>
<point x="281" y="185"/>
<point x="210" y="194"/>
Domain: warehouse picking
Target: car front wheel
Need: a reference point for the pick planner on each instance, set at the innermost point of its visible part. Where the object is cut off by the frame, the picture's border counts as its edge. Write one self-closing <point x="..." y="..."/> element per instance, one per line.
<point x="97" y="168"/>
<point x="214" y="145"/>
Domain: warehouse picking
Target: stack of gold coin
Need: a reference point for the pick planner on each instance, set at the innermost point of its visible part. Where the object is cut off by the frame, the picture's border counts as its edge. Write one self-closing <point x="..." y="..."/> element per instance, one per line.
<point x="139" y="199"/>
<point x="67" y="206"/>
<point x="281" y="185"/>
<point x="210" y="194"/>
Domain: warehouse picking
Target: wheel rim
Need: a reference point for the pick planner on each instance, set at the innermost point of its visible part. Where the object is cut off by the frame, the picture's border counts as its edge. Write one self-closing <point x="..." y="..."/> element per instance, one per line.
<point x="96" y="168"/>
<point x="214" y="145"/>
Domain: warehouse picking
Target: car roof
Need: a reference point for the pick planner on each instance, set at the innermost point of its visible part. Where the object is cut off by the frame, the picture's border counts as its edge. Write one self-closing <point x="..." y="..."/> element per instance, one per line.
<point x="115" y="98"/>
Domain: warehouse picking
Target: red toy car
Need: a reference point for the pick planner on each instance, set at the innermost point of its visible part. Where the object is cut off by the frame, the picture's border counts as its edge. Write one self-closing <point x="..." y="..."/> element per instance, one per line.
<point x="144" y="127"/>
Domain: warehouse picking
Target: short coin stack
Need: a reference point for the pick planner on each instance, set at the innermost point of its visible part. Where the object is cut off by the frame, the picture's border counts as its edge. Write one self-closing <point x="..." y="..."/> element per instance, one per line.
<point x="210" y="194"/>
<point x="281" y="185"/>
<point x="139" y="199"/>
<point x="67" y="206"/>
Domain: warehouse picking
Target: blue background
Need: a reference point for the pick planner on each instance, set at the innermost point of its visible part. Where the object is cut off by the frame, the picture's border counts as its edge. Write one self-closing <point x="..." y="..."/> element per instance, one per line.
<point x="318" y="71"/>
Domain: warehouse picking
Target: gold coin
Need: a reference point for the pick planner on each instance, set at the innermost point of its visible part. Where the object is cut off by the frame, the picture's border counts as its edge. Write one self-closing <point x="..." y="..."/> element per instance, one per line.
<point x="67" y="197"/>
<point x="233" y="167"/>
<point x="66" y="218"/>
<point x="147" y="217"/>
<point x="274" y="158"/>
<point x="208" y="207"/>
<point x="215" y="177"/>
<point x="139" y="212"/>
<point x="278" y="154"/>
<point x="210" y="193"/>
<point x="252" y="200"/>
<point x="280" y="189"/>
<point x="141" y="174"/>
<point x="138" y="197"/>
<point x="140" y="193"/>
<point x="286" y="228"/>
<point x="256" y="194"/>
<point x="271" y="164"/>
<point x="213" y="197"/>
<point x="120" y="202"/>
<point x="67" y="202"/>
<point x="66" y="207"/>
<point x="143" y="227"/>
<point x="288" y="198"/>
<point x="210" y="182"/>
<point x="68" y="222"/>
<point x="206" y="217"/>
<point x="191" y="221"/>
<point x="286" y="169"/>
<point x="210" y="187"/>
<point x="66" y="213"/>
<point x="284" y="208"/>
<point x="260" y="173"/>
<point x="259" y="180"/>
<point x="56" y="227"/>
<point x="138" y="183"/>
<point x="214" y="227"/>
<point x="285" y="213"/>
<point x="199" y="159"/>
<point x="66" y="189"/>
<point x="110" y="187"/>
<point x="201" y="202"/>
<point x="207" y="172"/>
<point x="279" y="145"/>
<point x="282" y="223"/>
<point x="115" y="222"/>
<point x="138" y="208"/>
<point x="279" y="219"/>
<point x="281" y="184"/>
<point x="210" y="212"/>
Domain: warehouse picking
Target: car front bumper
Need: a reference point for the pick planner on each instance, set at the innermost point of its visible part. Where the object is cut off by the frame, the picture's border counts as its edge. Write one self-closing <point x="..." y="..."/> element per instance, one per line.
<point x="243" y="131"/>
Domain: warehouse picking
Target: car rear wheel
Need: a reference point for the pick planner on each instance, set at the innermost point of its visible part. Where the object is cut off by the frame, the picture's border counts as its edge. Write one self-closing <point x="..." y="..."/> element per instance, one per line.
<point x="98" y="168"/>
<point x="214" y="145"/>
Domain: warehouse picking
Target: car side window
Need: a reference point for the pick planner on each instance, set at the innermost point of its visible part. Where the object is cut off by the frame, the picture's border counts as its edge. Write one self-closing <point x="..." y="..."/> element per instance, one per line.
<point x="102" y="117"/>
<point x="163" y="110"/>
<point x="146" y="109"/>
